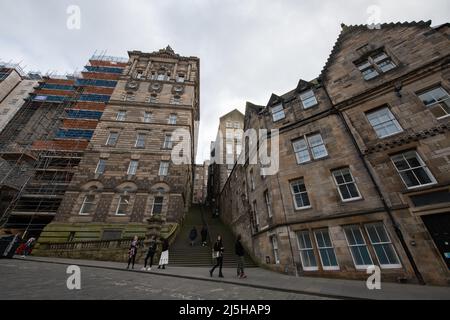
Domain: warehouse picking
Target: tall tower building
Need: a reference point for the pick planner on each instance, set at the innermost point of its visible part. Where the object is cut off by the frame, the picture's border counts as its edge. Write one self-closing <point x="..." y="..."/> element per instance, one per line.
<point x="127" y="173"/>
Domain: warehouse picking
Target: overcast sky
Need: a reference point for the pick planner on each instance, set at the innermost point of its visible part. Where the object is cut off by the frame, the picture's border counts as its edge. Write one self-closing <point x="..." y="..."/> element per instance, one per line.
<point x="248" y="49"/>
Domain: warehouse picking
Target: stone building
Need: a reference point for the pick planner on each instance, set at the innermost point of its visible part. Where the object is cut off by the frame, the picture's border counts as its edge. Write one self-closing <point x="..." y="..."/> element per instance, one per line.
<point x="225" y="151"/>
<point x="199" y="193"/>
<point x="127" y="173"/>
<point x="364" y="163"/>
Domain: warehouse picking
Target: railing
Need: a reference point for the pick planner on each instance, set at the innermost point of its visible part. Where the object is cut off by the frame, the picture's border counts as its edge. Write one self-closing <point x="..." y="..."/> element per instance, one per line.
<point x="90" y="245"/>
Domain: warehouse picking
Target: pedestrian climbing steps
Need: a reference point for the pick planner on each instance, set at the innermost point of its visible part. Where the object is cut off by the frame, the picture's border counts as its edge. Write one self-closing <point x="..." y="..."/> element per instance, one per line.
<point x="182" y="254"/>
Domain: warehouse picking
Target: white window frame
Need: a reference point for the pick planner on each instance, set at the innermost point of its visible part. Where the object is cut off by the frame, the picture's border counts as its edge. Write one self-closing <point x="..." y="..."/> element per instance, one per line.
<point x="277" y="111"/>
<point x="154" y="202"/>
<point x="268" y="201"/>
<point x="275" y="249"/>
<point x="120" y="202"/>
<point x="148" y="117"/>
<point x="81" y="212"/>
<point x="168" y="143"/>
<point x="121" y="115"/>
<point x="364" y="244"/>
<point x="306" y="96"/>
<point x="291" y="185"/>
<point x="423" y="165"/>
<point x="436" y="101"/>
<point x="306" y="232"/>
<point x="326" y="268"/>
<point x="132" y="167"/>
<point x="392" y="120"/>
<point x="341" y="170"/>
<point x="373" y="63"/>
<point x="108" y="140"/>
<point x="301" y="150"/>
<point x="311" y="147"/>
<point x="383" y="266"/>
<point x="172" y="118"/>
<point x="98" y="166"/>
<point x="163" y="168"/>
<point x="140" y="141"/>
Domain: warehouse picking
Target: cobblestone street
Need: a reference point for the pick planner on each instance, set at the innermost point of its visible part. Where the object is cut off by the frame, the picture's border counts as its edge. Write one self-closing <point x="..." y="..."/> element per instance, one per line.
<point x="37" y="280"/>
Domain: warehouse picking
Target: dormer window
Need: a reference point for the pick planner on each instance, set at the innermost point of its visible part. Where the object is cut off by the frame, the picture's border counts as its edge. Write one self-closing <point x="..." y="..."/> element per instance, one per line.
<point x="278" y="112"/>
<point x="308" y="99"/>
<point x="375" y="65"/>
<point x="180" y="78"/>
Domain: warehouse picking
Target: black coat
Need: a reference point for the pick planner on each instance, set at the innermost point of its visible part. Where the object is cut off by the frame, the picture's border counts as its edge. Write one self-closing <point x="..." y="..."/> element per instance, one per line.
<point x="218" y="246"/>
<point x="193" y="234"/>
<point x="165" y="245"/>
<point x="239" y="249"/>
<point x="152" y="247"/>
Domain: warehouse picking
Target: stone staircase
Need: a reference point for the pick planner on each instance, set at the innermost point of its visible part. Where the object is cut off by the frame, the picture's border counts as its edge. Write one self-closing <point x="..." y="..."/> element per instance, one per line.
<point x="182" y="254"/>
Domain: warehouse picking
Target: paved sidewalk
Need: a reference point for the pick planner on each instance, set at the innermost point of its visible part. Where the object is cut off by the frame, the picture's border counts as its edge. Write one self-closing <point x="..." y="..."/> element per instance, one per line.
<point x="265" y="279"/>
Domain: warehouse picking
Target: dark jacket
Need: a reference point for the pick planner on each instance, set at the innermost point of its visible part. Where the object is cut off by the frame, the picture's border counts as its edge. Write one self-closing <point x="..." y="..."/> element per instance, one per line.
<point x="152" y="248"/>
<point x="239" y="249"/>
<point x="193" y="234"/>
<point x="218" y="246"/>
<point x="165" y="245"/>
<point x="204" y="233"/>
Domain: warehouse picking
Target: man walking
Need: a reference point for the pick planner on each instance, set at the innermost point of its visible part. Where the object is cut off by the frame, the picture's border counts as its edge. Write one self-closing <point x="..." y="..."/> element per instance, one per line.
<point x="240" y="252"/>
<point x="150" y="253"/>
<point x="193" y="235"/>
<point x="204" y="234"/>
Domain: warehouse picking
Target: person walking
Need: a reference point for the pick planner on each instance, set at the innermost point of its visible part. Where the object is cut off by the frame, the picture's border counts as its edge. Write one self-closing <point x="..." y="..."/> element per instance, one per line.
<point x="132" y="252"/>
<point x="150" y="253"/>
<point x="164" y="260"/>
<point x="218" y="255"/>
<point x="240" y="252"/>
<point x="28" y="246"/>
<point x="193" y="235"/>
<point x="204" y="234"/>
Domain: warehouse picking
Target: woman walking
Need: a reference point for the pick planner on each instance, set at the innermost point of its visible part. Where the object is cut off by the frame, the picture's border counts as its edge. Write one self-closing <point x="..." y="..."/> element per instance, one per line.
<point x="218" y="254"/>
<point x="204" y="234"/>
<point x="164" y="260"/>
<point x="193" y="235"/>
<point x="240" y="252"/>
<point x="132" y="252"/>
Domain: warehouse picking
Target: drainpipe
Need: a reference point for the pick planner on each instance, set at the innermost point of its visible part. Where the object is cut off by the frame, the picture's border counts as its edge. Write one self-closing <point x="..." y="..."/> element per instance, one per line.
<point x="378" y="190"/>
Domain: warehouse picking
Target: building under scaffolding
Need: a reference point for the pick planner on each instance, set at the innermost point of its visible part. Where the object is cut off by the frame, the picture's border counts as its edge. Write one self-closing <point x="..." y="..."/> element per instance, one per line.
<point x="42" y="145"/>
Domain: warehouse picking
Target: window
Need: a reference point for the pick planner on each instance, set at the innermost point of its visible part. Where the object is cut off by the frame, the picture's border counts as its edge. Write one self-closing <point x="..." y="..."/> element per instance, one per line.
<point x="180" y="78"/>
<point x="163" y="168"/>
<point x="173" y="119"/>
<point x="413" y="170"/>
<point x="300" y="195"/>
<point x="384" y="122"/>
<point x="229" y="148"/>
<point x="139" y="74"/>
<point x="278" y="112"/>
<point x="132" y="167"/>
<point x="236" y="125"/>
<point x="122" y="206"/>
<point x="161" y="76"/>
<point x="153" y="98"/>
<point x="112" y="139"/>
<point x="167" y="141"/>
<point x="309" y="146"/>
<point x="175" y="100"/>
<point x="255" y="210"/>
<point x="326" y="250"/>
<point x="229" y="124"/>
<point x="121" y="116"/>
<point x="147" y="116"/>
<point x="346" y="185"/>
<point x="252" y="180"/>
<point x="128" y="97"/>
<point x="140" y="141"/>
<point x="88" y="205"/>
<point x="268" y="203"/>
<point x="275" y="249"/>
<point x="438" y="101"/>
<point x="375" y="65"/>
<point x="308" y="99"/>
<point x="358" y="248"/>
<point x="307" y="255"/>
<point x="238" y="148"/>
<point x="157" y="205"/>
<point x="382" y="245"/>
<point x="100" y="169"/>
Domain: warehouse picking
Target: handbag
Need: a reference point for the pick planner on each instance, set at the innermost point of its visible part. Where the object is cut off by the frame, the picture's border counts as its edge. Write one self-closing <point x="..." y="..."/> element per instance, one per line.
<point x="216" y="254"/>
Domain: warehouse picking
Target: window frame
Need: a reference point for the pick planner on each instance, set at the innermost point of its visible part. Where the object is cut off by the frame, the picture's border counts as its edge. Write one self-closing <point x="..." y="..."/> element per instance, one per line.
<point x="132" y="167"/>
<point x="326" y="268"/>
<point x="291" y="183"/>
<point x="119" y="203"/>
<point x="392" y="119"/>
<point x="383" y="266"/>
<point x="309" y="147"/>
<point x="167" y="144"/>
<point x="311" y="249"/>
<point x="109" y="139"/>
<point x="92" y="203"/>
<point x="98" y="166"/>
<point x="436" y="102"/>
<point x="163" y="165"/>
<point x="154" y="203"/>
<point x="424" y="166"/>
<point x="371" y="62"/>
<point x="268" y="202"/>
<point x="274" y="112"/>
<point x="346" y="183"/>
<point x="140" y="141"/>
<point x="148" y="117"/>
<point x="302" y="99"/>
<point x="275" y="249"/>
<point x="350" y="246"/>
<point x="172" y="119"/>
